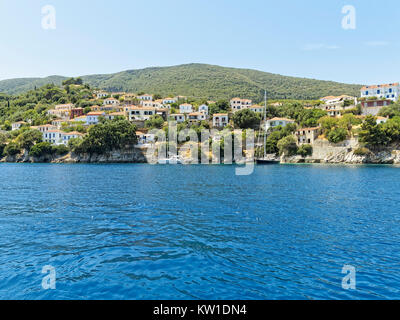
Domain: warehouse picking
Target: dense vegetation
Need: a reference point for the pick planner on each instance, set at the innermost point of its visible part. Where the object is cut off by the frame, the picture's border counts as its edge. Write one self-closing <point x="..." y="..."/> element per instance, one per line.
<point x="200" y="81"/>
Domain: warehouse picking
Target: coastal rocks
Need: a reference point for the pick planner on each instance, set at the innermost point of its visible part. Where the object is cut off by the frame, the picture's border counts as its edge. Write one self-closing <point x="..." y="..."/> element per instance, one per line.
<point x="134" y="155"/>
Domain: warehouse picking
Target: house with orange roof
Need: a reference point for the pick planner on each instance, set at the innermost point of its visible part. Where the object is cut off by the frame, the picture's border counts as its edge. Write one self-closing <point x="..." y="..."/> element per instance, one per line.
<point x="220" y="120"/>
<point x="145" y="97"/>
<point x="238" y="104"/>
<point x="92" y="117"/>
<point x="140" y="113"/>
<point x="17" y="125"/>
<point x="111" y="101"/>
<point x="389" y="91"/>
<point x="196" y="117"/>
<point x="58" y="137"/>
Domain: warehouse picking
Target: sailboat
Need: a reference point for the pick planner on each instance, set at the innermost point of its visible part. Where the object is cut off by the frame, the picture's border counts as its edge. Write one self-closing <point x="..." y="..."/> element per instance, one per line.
<point x="264" y="159"/>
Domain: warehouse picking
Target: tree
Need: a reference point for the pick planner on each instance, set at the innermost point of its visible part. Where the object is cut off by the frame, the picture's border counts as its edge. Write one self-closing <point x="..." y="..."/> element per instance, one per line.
<point x="29" y="138"/>
<point x="108" y="136"/>
<point x="287" y="146"/>
<point x="246" y="119"/>
<point x="371" y="133"/>
<point x="155" y="121"/>
<point x="41" y="149"/>
<point x="305" y="150"/>
<point x="12" y="149"/>
<point x="337" y="135"/>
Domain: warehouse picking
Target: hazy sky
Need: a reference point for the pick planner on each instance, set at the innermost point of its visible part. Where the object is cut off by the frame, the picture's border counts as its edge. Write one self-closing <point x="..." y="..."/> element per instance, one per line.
<point x="292" y="37"/>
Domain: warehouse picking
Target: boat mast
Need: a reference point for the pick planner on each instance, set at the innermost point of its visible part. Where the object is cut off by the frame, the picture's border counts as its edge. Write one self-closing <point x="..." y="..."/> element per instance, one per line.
<point x="265" y="118"/>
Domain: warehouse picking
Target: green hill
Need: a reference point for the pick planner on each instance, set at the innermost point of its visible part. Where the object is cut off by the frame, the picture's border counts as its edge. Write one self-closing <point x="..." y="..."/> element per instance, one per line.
<point x="199" y="81"/>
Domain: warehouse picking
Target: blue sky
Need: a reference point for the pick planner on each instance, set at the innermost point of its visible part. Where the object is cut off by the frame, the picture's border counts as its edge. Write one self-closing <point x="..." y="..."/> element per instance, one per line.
<point x="291" y="37"/>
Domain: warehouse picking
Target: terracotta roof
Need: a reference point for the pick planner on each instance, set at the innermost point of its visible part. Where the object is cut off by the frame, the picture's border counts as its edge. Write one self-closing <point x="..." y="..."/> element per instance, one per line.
<point x="380" y="86"/>
<point x="281" y="119"/>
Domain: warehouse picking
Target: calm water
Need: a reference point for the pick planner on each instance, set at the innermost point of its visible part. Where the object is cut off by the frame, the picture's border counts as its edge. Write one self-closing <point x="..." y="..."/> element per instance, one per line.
<point x="199" y="232"/>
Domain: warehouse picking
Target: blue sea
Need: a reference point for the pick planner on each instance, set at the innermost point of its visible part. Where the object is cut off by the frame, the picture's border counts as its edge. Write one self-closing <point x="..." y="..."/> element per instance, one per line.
<point x="199" y="232"/>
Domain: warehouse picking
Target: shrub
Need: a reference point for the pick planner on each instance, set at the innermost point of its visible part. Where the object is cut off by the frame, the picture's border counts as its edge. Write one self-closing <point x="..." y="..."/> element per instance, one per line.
<point x="362" y="151"/>
<point x="305" y="150"/>
<point x="41" y="149"/>
<point x="337" y="135"/>
<point x="287" y="146"/>
<point x="12" y="149"/>
<point x="60" y="150"/>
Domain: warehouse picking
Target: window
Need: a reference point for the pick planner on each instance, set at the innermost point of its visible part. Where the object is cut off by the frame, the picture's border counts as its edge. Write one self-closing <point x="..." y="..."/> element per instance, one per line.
<point x="379" y="91"/>
<point x="366" y="93"/>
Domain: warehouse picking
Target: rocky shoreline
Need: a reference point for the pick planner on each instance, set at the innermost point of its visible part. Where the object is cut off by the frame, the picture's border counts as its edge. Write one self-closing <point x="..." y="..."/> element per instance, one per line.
<point x="323" y="152"/>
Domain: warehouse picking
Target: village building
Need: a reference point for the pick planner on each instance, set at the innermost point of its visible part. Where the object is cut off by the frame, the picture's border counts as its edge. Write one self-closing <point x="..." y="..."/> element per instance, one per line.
<point x="111" y="101"/>
<point x="101" y="94"/>
<point x="145" y="139"/>
<point x="275" y="122"/>
<point x="45" y="127"/>
<point x="389" y="91"/>
<point x="75" y="112"/>
<point x="58" y="137"/>
<point x="185" y="108"/>
<point x="381" y="120"/>
<point x="145" y="97"/>
<point x="169" y="100"/>
<point x="238" y="104"/>
<point x="196" y="117"/>
<point x="57" y="123"/>
<point x="178" y="117"/>
<point x="204" y="109"/>
<point x="140" y="113"/>
<point x="68" y="106"/>
<point x="220" y="120"/>
<point x="17" y="125"/>
<point x="307" y="135"/>
<point x="372" y="107"/>
<point x="113" y="115"/>
<point x="92" y="118"/>
<point x="257" y="109"/>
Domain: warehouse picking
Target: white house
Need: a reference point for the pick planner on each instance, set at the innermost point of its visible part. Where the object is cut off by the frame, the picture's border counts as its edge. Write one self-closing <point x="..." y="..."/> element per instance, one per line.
<point x="145" y="97"/>
<point x="58" y="137"/>
<point x="101" y="94"/>
<point x="169" y="100"/>
<point x="220" y="120"/>
<point x="93" y="117"/>
<point x="141" y="113"/>
<point x="17" y="125"/>
<point x="382" y="91"/>
<point x="178" y="117"/>
<point x="203" y="109"/>
<point x="195" y="117"/>
<point x="145" y="138"/>
<point x="238" y="104"/>
<point x="46" y="127"/>
<point x="257" y="109"/>
<point x="186" y="108"/>
<point x="274" y="122"/>
<point x="111" y="101"/>
<point x="380" y="120"/>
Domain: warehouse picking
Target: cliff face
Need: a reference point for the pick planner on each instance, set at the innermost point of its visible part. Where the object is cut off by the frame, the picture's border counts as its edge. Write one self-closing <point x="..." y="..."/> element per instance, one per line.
<point x="325" y="152"/>
<point x="135" y="155"/>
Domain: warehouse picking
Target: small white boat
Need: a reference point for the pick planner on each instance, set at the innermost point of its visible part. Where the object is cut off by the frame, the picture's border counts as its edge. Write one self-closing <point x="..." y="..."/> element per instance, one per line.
<point x="171" y="160"/>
